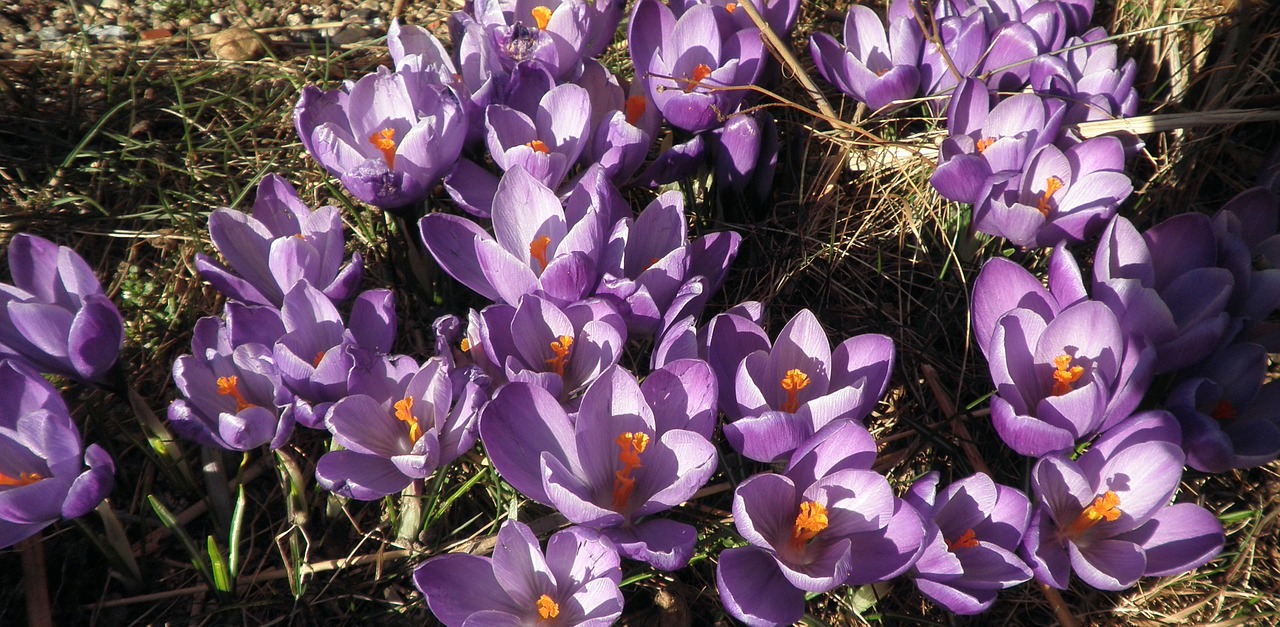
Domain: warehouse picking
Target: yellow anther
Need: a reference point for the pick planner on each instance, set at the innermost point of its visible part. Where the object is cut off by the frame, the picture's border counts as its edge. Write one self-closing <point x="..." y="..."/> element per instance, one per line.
<point x="731" y="7"/>
<point x="1105" y="507"/>
<point x="630" y="446"/>
<point x="542" y="15"/>
<point x="385" y="141"/>
<point x="1224" y="410"/>
<point x="561" y="348"/>
<point x="809" y="523"/>
<point x="404" y="413"/>
<point x="967" y="540"/>
<point x="792" y="383"/>
<point x="635" y="108"/>
<point x="26" y="478"/>
<point x="547" y="608"/>
<point x="1051" y="185"/>
<point x="700" y="72"/>
<point x="538" y="146"/>
<point x="1064" y="375"/>
<point x="229" y="386"/>
<point x="985" y="143"/>
<point x="538" y="250"/>
<point x="465" y="346"/>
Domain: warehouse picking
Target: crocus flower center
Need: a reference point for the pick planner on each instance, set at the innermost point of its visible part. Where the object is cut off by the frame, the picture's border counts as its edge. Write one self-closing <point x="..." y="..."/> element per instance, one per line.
<point x="1224" y="411"/>
<point x="630" y="446"/>
<point x="404" y="413"/>
<point x="1051" y="185"/>
<point x="26" y="478"/>
<point x="538" y="146"/>
<point x="538" y="250"/>
<point x="561" y="348"/>
<point x="635" y="108"/>
<point x="985" y="143"/>
<point x="229" y="386"/>
<point x="1105" y="507"/>
<point x="1064" y="375"/>
<point x="542" y="15"/>
<point x="699" y="73"/>
<point x="792" y="383"/>
<point x="809" y="523"/>
<point x="547" y="608"/>
<point x="967" y="540"/>
<point x="385" y="141"/>
<point x="315" y="361"/>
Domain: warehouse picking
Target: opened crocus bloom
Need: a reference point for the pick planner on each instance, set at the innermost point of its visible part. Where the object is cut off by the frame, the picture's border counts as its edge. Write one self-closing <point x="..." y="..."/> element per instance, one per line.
<point x="871" y="67"/>
<point x="632" y="450"/>
<point x="1106" y="515"/>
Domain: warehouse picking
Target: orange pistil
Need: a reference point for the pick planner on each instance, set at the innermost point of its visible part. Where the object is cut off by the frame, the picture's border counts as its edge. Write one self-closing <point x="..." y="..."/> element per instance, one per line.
<point x="1224" y="410"/>
<point x="315" y="361"/>
<point x="26" y="478"/>
<point x="1051" y="185"/>
<point x="385" y="141"/>
<point x="631" y="445"/>
<point x="1105" y="507"/>
<point x="792" y="383"/>
<point x="967" y="540"/>
<point x="538" y="250"/>
<point x="1064" y="375"/>
<point x="985" y="143"/>
<point x="538" y="146"/>
<point x="699" y="73"/>
<point x="635" y="108"/>
<point x="561" y="348"/>
<point x="809" y="523"/>
<point x="541" y="15"/>
<point x="228" y="386"/>
<point x="404" y="413"/>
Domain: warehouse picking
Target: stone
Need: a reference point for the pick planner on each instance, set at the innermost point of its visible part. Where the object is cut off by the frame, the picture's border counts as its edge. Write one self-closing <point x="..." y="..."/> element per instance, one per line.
<point x="237" y="44"/>
<point x="50" y="33"/>
<point x="109" y="33"/>
<point x="109" y="5"/>
<point x="349" y="35"/>
<point x="202" y="29"/>
<point x="218" y="19"/>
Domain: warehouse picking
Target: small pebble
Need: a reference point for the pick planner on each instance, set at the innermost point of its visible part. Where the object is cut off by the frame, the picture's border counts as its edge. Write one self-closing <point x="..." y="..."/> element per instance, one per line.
<point x="237" y="44"/>
<point x="202" y="29"/>
<point x="50" y="33"/>
<point x="218" y="19"/>
<point x="349" y="35"/>
<point x="109" y="33"/>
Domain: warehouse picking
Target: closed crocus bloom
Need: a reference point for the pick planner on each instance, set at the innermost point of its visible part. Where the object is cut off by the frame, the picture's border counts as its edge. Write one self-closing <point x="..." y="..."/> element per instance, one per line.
<point x="277" y="244"/>
<point x="746" y="152"/>
<point x="54" y="316"/>
<point x="42" y="460"/>
<point x="631" y="451"/>
<point x="547" y="144"/>
<point x="690" y="61"/>
<point x="972" y="529"/>
<point x="787" y="393"/>
<point x="535" y="247"/>
<point x="574" y="583"/>
<point x="873" y="67"/>
<point x="390" y="441"/>
<point x="1106" y="515"/>
<point x="1165" y="286"/>
<point x="829" y="520"/>
<point x="986" y="140"/>
<point x="1249" y="247"/>
<point x="1229" y="418"/>
<point x="387" y="145"/>
<point x="1090" y="76"/>
<point x="1062" y="196"/>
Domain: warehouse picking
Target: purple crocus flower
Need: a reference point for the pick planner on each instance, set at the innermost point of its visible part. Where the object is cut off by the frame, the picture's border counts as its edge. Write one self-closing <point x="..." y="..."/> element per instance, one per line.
<point x="1229" y="418"/>
<point x="1106" y="516"/>
<point x="281" y="242"/>
<point x="693" y="64"/>
<point x="972" y="529"/>
<point x="54" y="316"/>
<point x="1062" y="195"/>
<point x="965" y="41"/>
<point x="780" y="15"/>
<point x="631" y="451"/>
<point x="561" y="350"/>
<point x="1090" y="77"/>
<point x="1165" y="286"/>
<point x="988" y="139"/>
<point x="574" y="583"/>
<point x="724" y="342"/>
<point x="547" y="144"/>
<point x="535" y="249"/>
<point x="746" y="152"/>
<point x="42" y="460"/>
<point x="233" y="397"/>
<point x="872" y="67"/>
<point x="1249" y="247"/>
<point x="787" y="393"/>
<point x="828" y="520"/>
<point x="550" y="33"/>
<point x="386" y="144"/>
<point x="390" y="441"/>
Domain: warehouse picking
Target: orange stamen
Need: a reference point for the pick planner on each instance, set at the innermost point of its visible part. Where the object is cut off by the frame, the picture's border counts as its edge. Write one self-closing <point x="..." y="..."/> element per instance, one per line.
<point x="542" y="15"/>
<point x="385" y="141"/>
<point x="1051" y="185"/>
<point x="967" y="540"/>
<point x="1224" y="411"/>
<point x="699" y="73"/>
<point x="561" y="348"/>
<point x="635" y="108"/>
<point x="465" y="345"/>
<point x="228" y="386"/>
<point x="538" y="250"/>
<point x="631" y="445"/>
<point x="985" y="143"/>
<point x="1105" y="507"/>
<point x="315" y="362"/>
<point x="1064" y="375"/>
<point x="547" y="608"/>
<point x="809" y="523"/>
<point x="538" y="146"/>
<point x="792" y="383"/>
<point x="731" y="7"/>
<point x="26" y="478"/>
<point x="404" y="413"/>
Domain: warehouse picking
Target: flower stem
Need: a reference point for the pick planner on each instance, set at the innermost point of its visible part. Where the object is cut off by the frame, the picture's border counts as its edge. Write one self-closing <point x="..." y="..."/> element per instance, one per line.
<point x="410" y="514"/>
<point x="35" y="582"/>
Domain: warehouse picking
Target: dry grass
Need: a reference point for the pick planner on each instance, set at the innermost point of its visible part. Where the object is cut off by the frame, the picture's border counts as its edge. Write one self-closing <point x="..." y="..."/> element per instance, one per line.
<point x="123" y="151"/>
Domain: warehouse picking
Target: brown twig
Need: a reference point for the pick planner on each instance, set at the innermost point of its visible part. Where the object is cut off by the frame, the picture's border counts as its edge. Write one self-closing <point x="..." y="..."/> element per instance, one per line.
<point x="1059" y="606"/>
<point x="957" y="426"/>
<point x="784" y="51"/>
